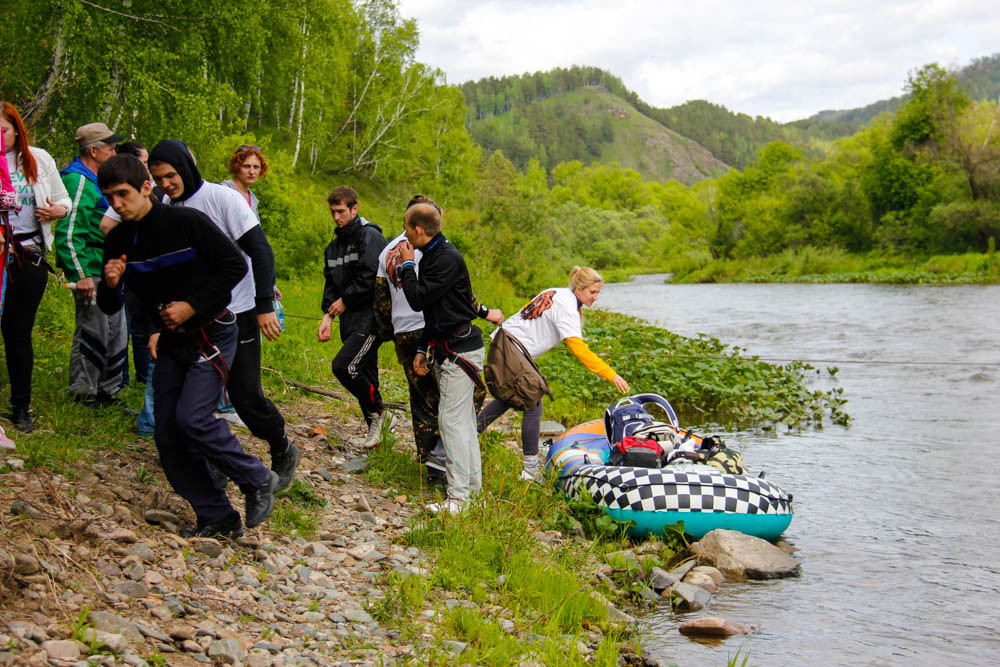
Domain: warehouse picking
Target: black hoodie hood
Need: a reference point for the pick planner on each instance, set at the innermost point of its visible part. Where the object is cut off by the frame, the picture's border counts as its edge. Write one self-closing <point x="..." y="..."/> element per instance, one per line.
<point x="177" y="155"/>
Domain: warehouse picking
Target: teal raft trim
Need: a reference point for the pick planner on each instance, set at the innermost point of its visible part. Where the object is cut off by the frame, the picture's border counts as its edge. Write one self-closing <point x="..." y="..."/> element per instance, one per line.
<point x="698" y="524"/>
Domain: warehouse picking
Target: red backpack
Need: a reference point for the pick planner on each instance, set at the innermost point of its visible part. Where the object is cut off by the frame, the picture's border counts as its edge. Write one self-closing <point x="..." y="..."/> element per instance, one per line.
<point x="637" y="452"/>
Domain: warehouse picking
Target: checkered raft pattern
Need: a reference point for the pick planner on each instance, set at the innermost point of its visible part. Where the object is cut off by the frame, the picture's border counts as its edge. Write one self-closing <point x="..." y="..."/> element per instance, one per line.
<point x="652" y="490"/>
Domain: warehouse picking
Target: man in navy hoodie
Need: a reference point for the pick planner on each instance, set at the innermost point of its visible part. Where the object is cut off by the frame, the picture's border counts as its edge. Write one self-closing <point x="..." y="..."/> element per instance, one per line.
<point x="182" y="270"/>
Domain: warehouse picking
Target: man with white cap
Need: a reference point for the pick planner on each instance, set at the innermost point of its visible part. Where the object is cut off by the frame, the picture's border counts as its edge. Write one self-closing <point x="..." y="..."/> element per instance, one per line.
<point x="100" y="344"/>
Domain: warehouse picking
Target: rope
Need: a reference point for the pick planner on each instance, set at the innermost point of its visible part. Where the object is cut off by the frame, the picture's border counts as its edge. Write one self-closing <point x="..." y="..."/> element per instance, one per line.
<point x="873" y="362"/>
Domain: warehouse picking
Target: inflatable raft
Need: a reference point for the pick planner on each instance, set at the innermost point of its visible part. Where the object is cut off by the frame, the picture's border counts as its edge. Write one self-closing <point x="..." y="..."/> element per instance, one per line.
<point x="702" y="496"/>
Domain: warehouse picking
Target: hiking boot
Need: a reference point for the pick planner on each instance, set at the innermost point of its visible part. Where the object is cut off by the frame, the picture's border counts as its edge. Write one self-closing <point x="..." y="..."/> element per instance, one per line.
<point x="375" y="426"/>
<point x="284" y="465"/>
<point x="227" y="529"/>
<point x="260" y="502"/>
<point x="21" y="418"/>
<point x="435" y="476"/>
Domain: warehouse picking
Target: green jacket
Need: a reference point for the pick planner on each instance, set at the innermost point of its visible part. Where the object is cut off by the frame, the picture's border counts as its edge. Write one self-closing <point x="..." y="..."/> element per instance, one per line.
<point x="79" y="243"/>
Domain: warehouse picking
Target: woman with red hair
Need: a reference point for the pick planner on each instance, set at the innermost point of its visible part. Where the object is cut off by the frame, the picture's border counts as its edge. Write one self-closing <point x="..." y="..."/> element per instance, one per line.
<point x="42" y="199"/>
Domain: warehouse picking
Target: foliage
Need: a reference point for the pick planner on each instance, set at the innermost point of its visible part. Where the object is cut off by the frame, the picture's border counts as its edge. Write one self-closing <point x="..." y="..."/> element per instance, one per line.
<point x="694" y="374"/>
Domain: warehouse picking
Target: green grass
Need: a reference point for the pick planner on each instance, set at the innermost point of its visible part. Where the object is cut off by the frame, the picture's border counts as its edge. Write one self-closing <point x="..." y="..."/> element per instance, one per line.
<point x="830" y="265"/>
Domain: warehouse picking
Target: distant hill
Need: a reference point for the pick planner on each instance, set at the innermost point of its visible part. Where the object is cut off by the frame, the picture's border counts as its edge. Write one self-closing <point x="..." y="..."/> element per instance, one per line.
<point x="980" y="78"/>
<point x="591" y="124"/>
<point x="556" y="116"/>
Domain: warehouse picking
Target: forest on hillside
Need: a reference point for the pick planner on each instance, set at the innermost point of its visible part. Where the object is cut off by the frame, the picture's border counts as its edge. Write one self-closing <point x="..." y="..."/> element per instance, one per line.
<point x="333" y="92"/>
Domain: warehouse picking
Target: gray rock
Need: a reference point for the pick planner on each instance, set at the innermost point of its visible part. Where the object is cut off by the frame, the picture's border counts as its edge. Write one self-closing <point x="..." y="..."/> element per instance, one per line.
<point x="455" y="647"/>
<point x="29" y="631"/>
<point x="534" y="637"/>
<point x="357" y="465"/>
<point x="208" y="546"/>
<point x="228" y="651"/>
<point x="160" y="516"/>
<point x="701" y="579"/>
<point x="273" y="649"/>
<point x="132" y="589"/>
<point x="61" y="649"/>
<point x="737" y="554"/>
<point x="143" y="551"/>
<point x="26" y="564"/>
<point x="681" y="570"/>
<point x="259" y="658"/>
<point x="123" y="535"/>
<point x="551" y="428"/>
<point x="356" y="615"/>
<point x="111" y="641"/>
<point x="108" y="622"/>
<point x="135" y="572"/>
<point x="151" y="632"/>
<point x="454" y="603"/>
<point x="175" y="606"/>
<point x="22" y="508"/>
<point x="713" y="626"/>
<point x="714" y="573"/>
<point x="660" y="579"/>
<point x="692" y="598"/>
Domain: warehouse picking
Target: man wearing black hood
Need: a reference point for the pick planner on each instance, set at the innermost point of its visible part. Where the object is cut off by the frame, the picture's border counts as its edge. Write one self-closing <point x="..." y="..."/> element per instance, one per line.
<point x="174" y="171"/>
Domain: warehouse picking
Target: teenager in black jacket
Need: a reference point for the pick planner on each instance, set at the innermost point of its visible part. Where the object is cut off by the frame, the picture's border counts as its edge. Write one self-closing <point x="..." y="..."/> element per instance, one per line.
<point x="182" y="269"/>
<point x="350" y="264"/>
<point x="443" y="292"/>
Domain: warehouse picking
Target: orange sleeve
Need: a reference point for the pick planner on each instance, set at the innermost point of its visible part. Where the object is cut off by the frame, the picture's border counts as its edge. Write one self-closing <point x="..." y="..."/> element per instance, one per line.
<point x="591" y="361"/>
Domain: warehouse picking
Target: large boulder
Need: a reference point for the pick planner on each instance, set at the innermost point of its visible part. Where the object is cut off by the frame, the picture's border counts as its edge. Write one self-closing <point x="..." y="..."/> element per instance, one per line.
<point x="741" y="555"/>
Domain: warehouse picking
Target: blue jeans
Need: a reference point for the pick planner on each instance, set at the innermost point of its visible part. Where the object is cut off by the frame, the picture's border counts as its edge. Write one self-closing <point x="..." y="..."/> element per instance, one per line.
<point x="146" y="424"/>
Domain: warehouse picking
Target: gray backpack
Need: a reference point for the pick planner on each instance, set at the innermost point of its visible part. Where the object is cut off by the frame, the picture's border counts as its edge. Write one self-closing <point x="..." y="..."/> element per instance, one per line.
<point x="512" y="375"/>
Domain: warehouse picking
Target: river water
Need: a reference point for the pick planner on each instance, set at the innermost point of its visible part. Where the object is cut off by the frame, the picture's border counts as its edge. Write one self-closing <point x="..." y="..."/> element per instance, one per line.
<point x="896" y="516"/>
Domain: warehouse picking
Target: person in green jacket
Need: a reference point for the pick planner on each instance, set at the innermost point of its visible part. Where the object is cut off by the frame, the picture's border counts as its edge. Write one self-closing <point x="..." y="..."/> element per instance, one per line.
<point x="100" y="343"/>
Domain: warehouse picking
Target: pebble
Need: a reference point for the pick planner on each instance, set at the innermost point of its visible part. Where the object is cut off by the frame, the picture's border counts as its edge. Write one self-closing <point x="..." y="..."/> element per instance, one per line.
<point x="61" y="649"/>
<point x="713" y="626"/>
<point x="208" y="546"/>
<point x="123" y="535"/>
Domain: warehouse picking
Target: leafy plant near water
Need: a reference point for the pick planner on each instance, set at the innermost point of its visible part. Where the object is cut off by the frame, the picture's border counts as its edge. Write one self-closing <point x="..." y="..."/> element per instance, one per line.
<point x="699" y="376"/>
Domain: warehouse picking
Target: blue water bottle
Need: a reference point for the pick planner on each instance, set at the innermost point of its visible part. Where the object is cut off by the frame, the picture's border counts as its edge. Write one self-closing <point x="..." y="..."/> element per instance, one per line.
<point x="279" y="310"/>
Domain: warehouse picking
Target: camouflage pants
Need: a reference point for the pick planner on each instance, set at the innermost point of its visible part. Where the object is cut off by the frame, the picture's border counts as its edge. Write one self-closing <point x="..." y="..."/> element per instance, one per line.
<point x="424" y="394"/>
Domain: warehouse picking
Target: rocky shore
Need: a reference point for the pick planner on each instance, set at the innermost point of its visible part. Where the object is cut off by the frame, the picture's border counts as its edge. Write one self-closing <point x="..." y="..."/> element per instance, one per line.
<point x="93" y="572"/>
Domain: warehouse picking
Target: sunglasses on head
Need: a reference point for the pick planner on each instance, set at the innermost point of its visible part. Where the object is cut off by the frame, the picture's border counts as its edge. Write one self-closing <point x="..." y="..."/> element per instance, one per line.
<point x="248" y="147"/>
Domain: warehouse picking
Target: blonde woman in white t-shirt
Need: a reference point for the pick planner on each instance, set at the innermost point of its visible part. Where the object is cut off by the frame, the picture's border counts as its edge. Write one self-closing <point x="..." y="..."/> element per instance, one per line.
<point x="554" y="315"/>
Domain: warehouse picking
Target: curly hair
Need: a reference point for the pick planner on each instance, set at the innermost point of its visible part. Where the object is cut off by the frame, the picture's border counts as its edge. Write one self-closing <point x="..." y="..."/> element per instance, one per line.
<point x="242" y="153"/>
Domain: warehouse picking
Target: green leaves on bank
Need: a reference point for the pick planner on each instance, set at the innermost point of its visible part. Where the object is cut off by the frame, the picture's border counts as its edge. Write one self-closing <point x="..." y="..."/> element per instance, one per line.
<point x="703" y="378"/>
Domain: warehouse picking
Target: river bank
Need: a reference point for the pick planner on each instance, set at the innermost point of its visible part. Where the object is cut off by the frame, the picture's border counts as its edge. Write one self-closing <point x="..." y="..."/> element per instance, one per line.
<point x="829" y="265"/>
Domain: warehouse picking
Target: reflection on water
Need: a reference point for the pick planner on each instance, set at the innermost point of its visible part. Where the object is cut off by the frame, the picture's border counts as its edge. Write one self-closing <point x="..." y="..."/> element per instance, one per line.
<point x="895" y="516"/>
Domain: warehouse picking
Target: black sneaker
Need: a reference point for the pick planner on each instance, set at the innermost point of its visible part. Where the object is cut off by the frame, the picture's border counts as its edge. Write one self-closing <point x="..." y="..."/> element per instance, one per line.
<point x="109" y="400"/>
<point x="229" y="529"/>
<point x="284" y="465"/>
<point x="21" y="418"/>
<point x="435" y="476"/>
<point x="260" y="502"/>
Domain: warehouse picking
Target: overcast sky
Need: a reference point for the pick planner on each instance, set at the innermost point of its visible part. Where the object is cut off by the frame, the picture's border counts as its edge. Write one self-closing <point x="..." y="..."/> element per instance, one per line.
<point x="783" y="59"/>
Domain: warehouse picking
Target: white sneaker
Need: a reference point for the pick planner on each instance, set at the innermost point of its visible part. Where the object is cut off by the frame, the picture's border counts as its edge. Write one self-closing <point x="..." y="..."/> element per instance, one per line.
<point x="451" y="506"/>
<point x="232" y="418"/>
<point x="531" y="471"/>
<point x="386" y="420"/>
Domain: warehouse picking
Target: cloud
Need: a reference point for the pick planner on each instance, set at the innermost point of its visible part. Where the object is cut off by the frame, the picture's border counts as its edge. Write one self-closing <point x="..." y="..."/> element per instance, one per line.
<point x="766" y="58"/>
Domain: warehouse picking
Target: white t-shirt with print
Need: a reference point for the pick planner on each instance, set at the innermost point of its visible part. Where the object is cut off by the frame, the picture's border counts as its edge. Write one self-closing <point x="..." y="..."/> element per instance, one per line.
<point x="404" y="318"/>
<point x="22" y="221"/>
<point x="551" y="317"/>
<point x="230" y="213"/>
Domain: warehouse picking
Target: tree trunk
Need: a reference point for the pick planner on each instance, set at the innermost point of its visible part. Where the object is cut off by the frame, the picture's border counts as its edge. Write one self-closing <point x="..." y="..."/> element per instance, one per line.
<point x="35" y="110"/>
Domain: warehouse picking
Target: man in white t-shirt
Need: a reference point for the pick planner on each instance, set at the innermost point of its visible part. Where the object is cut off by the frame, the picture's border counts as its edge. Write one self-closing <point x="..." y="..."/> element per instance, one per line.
<point x="174" y="170"/>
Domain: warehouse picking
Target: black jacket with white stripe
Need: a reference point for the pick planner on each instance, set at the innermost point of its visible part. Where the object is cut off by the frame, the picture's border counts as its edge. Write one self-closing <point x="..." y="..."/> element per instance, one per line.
<point x="350" y="265"/>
